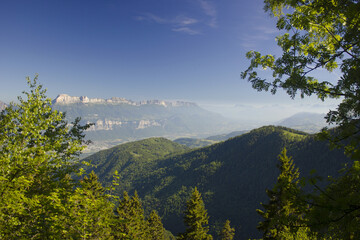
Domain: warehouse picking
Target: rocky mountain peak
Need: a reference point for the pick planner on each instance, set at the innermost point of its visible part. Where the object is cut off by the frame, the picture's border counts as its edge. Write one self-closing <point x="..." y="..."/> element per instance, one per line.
<point x="65" y="99"/>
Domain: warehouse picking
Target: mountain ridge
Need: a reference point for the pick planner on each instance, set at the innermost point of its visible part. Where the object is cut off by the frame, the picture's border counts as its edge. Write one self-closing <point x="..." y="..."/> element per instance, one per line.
<point x="305" y="121"/>
<point x="65" y="99"/>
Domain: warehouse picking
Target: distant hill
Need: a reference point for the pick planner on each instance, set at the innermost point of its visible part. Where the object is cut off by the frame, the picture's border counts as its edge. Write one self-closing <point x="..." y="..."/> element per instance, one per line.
<point x="194" y="142"/>
<point x="305" y="121"/>
<point x="224" y="137"/>
<point x="231" y="175"/>
<point x="120" y="120"/>
<point x="198" y="142"/>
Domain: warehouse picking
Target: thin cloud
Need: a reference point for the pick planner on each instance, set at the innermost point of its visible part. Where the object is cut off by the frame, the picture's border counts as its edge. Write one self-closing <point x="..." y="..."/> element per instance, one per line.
<point x="151" y="18"/>
<point x="186" y="30"/>
<point x="184" y="21"/>
<point x="210" y="10"/>
<point x="180" y="23"/>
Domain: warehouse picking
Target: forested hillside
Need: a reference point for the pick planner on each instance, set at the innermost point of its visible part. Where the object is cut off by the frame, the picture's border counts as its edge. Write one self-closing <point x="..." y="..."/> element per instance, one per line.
<point x="132" y="159"/>
<point x="232" y="175"/>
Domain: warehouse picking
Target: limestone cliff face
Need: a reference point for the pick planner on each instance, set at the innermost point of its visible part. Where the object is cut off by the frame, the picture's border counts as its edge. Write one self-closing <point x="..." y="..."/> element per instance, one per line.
<point x="118" y="118"/>
<point x="148" y="123"/>
<point x="110" y="114"/>
<point x="104" y="124"/>
<point x="109" y="125"/>
<point x="64" y="99"/>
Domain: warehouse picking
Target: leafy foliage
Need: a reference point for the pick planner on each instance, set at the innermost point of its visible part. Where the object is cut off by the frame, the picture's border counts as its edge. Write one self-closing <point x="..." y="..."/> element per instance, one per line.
<point x="38" y="150"/>
<point x="336" y="209"/>
<point x="320" y="35"/>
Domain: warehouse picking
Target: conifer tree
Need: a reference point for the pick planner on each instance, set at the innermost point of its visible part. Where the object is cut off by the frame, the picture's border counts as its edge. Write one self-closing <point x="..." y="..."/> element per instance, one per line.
<point x="196" y="219"/>
<point x="227" y="232"/>
<point x="156" y="229"/>
<point x="130" y="218"/>
<point x="283" y="215"/>
<point x="90" y="211"/>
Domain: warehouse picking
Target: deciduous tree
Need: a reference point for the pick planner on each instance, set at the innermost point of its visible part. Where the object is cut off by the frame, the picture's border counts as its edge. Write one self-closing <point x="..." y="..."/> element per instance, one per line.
<point x="38" y="152"/>
<point x="319" y="35"/>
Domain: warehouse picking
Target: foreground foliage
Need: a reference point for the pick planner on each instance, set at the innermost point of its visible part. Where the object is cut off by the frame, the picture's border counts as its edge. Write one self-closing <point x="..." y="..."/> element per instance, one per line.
<point x="320" y="35"/>
<point x="38" y="150"/>
<point x="39" y="199"/>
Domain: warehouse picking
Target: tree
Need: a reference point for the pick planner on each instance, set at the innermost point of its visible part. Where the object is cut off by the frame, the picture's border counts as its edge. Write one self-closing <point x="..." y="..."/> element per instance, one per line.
<point x="38" y="152"/>
<point x="320" y="35"/>
<point x="227" y="232"/>
<point x="91" y="213"/>
<point x="284" y="214"/>
<point x="196" y="219"/>
<point x="156" y="229"/>
<point x="130" y="218"/>
<point x="336" y="210"/>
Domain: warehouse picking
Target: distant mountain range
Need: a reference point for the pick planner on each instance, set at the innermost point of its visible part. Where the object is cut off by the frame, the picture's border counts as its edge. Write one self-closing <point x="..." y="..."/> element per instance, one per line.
<point x="64" y="99"/>
<point x="305" y="121"/>
<point x="120" y="120"/>
<point x="232" y="175"/>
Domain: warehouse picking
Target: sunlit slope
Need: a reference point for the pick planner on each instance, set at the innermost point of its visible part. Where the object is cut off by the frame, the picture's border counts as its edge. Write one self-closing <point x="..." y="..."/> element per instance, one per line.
<point x="231" y="175"/>
<point x="133" y="160"/>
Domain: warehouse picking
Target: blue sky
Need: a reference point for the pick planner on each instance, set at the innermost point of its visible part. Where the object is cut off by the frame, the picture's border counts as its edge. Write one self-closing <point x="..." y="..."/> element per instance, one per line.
<point x="190" y="50"/>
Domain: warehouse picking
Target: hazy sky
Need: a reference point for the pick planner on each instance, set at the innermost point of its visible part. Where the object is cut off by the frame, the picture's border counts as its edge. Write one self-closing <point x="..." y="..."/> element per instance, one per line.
<point x="190" y="50"/>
